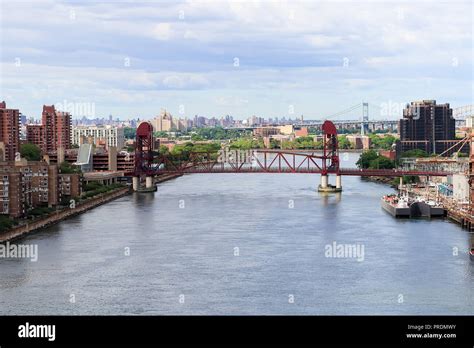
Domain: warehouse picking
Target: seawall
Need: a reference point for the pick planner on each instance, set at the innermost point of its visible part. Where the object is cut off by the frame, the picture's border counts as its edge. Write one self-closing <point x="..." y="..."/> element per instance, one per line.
<point x="55" y="217"/>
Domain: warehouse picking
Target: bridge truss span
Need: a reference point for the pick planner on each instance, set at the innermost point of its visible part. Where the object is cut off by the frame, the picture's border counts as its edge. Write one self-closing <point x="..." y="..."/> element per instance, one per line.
<point x="273" y="161"/>
<point x="149" y="163"/>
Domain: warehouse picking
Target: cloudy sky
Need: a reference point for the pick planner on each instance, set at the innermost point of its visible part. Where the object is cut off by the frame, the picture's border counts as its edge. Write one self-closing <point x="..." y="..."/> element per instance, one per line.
<point x="243" y="58"/>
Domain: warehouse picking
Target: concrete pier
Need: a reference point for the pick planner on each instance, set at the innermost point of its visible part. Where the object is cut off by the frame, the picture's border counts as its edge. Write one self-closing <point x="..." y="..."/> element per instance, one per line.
<point x="135" y="183"/>
<point x="324" y="181"/>
<point x="149" y="182"/>
<point x="338" y="182"/>
<point x="326" y="187"/>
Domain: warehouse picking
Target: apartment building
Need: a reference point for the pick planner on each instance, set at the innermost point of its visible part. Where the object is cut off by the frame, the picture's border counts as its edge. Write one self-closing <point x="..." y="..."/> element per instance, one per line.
<point x="25" y="185"/>
<point x="9" y="132"/>
<point x="107" y="135"/>
<point x="54" y="131"/>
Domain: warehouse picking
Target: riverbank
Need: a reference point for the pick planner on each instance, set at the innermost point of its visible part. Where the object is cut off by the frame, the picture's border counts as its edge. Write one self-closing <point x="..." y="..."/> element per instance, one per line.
<point x="166" y="177"/>
<point x="381" y="180"/>
<point x="57" y="216"/>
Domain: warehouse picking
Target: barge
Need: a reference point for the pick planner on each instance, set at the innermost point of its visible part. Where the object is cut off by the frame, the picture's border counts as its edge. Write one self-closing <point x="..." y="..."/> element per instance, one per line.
<point x="399" y="206"/>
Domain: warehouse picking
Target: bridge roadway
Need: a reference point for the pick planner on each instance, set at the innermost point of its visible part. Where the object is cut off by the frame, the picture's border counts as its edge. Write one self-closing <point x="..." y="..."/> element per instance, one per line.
<point x="342" y="171"/>
<point x="275" y="161"/>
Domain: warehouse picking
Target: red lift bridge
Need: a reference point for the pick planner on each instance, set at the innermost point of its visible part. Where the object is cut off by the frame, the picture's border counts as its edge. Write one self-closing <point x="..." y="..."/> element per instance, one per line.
<point x="148" y="162"/>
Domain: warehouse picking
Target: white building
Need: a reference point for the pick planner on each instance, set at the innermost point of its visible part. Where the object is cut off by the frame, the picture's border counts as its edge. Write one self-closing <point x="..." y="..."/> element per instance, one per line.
<point x="110" y="135"/>
<point x="469" y="120"/>
<point x="461" y="187"/>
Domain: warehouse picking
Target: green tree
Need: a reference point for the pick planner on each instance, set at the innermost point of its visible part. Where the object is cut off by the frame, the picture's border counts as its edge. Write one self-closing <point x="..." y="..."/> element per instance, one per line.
<point x="129" y="132"/>
<point x="344" y="143"/>
<point x="381" y="142"/>
<point x="415" y="153"/>
<point x="381" y="162"/>
<point x="31" y="152"/>
<point x="68" y="168"/>
<point x="365" y="159"/>
<point x="160" y="134"/>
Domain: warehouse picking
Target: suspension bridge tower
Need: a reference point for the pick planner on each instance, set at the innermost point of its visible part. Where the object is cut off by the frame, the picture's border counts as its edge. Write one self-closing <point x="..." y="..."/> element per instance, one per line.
<point x="364" y="127"/>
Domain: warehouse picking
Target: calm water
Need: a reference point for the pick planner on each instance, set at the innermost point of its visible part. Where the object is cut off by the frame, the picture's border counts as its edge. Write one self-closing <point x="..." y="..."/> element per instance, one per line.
<point x="188" y="254"/>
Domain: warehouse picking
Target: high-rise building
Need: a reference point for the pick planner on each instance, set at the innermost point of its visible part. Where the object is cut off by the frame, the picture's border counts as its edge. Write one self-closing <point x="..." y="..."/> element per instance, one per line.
<point x="54" y="131"/>
<point x="111" y="136"/>
<point x="9" y="132"/>
<point x="163" y="122"/>
<point x="35" y="135"/>
<point x="426" y="126"/>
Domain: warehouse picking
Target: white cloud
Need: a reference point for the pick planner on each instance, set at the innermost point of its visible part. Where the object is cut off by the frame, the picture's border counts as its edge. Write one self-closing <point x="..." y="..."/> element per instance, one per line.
<point x="287" y="49"/>
<point x="162" y="31"/>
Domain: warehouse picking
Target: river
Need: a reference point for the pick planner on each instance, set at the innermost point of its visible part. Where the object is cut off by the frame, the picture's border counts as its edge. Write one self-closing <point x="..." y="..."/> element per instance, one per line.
<point x="243" y="244"/>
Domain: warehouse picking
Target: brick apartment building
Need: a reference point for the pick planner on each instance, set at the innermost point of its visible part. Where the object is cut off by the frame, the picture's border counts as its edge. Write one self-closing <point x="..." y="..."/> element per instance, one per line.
<point x="9" y="132"/>
<point x="427" y="126"/>
<point x="54" y="131"/>
<point x="25" y="185"/>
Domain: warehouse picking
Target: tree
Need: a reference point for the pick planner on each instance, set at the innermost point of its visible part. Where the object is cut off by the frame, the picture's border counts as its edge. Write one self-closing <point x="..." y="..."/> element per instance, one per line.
<point x="381" y="162"/>
<point x="344" y="143"/>
<point x="379" y="142"/>
<point x="129" y="132"/>
<point x="160" y="134"/>
<point x="365" y="159"/>
<point x="415" y="153"/>
<point x="31" y="152"/>
<point x="67" y="168"/>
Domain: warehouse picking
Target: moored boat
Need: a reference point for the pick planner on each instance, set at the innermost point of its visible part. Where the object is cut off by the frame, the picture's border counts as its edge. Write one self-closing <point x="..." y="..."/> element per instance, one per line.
<point x="400" y="206"/>
<point x="396" y="206"/>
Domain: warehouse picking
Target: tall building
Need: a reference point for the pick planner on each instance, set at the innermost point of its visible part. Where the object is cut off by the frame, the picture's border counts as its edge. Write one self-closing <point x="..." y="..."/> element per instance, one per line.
<point x="35" y="135"/>
<point x="9" y="132"/>
<point x="427" y="126"/>
<point x="109" y="135"/>
<point x="163" y="122"/>
<point x="54" y="131"/>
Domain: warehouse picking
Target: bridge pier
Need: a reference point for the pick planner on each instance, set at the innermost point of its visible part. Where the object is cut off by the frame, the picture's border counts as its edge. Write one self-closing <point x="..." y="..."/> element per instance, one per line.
<point x="326" y="187"/>
<point x="149" y="182"/>
<point x="135" y="183"/>
<point x="324" y="181"/>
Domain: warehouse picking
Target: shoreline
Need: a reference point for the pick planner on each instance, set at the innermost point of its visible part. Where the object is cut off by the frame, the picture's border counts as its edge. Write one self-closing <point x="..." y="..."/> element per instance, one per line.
<point x="380" y="180"/>
<point x="60" y="215"/>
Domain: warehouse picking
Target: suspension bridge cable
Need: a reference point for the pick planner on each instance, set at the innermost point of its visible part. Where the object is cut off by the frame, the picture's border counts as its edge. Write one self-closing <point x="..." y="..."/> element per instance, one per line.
<point x="345" y="111"/>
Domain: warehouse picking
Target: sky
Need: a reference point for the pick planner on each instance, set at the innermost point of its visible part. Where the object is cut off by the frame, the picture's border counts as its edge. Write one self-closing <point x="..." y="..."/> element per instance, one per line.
<point x="212" y="58"/>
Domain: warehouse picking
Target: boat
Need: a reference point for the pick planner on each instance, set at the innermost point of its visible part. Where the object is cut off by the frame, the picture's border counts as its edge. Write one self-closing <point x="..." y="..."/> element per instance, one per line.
<point x="436" y="209"/>
<point x="400" y="206"/>
<point x="396" y="206"/>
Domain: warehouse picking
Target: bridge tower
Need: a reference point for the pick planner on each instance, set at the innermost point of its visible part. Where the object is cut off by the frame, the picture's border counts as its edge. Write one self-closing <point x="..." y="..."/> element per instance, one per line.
<point x="330" y="159"/>
<point x="143" y="157"/>
<point x="364" y="127"/>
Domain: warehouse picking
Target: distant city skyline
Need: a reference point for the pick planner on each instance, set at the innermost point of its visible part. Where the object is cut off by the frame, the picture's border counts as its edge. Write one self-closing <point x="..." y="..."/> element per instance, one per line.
<point x="269" y="59"/>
